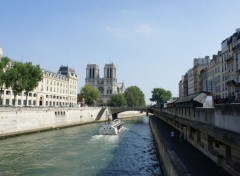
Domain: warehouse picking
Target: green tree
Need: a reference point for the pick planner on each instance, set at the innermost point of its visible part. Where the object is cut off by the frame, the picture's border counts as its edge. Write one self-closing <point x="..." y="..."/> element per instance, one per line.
<point x="4" y="61"/>
<point x="90" y="94"/>
<point x="134" y="96"/>
<point x="174" y="98"/>
<point x="160" y="95"/>
<point x="34" y="76"/>
<point x="118" y="100"/>
<point x="16" y="78"/>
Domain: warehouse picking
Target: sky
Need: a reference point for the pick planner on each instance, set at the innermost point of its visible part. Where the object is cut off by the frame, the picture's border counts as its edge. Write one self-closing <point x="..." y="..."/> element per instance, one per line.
<point x="151" y="42"/>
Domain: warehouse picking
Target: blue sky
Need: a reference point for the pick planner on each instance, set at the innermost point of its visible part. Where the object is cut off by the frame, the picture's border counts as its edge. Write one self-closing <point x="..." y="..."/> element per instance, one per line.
<point x="151" y="42"/>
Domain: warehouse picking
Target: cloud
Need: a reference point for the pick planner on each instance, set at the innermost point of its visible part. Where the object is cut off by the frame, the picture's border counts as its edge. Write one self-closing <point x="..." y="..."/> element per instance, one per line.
<point x="129" y="30"/>
<point x="114" y="31"/>
<point x="143" y="28"/>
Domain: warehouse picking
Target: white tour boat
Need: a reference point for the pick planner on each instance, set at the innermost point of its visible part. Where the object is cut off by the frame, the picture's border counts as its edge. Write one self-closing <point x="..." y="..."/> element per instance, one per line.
<point x="111" y="127"/>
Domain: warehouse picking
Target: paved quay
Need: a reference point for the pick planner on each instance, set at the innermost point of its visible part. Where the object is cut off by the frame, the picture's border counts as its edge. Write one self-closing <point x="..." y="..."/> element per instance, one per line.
<point x="195" y="161"/>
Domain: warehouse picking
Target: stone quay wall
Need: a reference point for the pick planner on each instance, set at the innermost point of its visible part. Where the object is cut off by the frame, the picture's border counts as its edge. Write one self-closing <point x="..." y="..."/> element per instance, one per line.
<point x="16" y="121"/>
<point x="130" y="114"/>
<point x="223" y="116"/>
<point x="170" y="162"/>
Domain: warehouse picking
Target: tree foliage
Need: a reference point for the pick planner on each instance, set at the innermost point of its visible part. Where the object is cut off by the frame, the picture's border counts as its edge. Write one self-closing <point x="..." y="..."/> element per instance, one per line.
<point x="16" y="78"/>
<point x="34" y="76"/>
<point x="3" y="66"/>
<point x="22" y="76"/>
<point x="90" y="94"/>
<point x="118" y="100"/>
<point x="4" y="61"/>
<point x="134" y="96"/>
<point x="160" y="95"/>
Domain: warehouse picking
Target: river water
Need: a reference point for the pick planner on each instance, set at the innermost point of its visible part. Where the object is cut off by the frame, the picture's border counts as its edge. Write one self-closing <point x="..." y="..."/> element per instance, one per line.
<point x="81" y="151"/>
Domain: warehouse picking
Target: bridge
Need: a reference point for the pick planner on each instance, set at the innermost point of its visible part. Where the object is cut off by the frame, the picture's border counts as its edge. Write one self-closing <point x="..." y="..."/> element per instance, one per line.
<point x="116" y="110"/>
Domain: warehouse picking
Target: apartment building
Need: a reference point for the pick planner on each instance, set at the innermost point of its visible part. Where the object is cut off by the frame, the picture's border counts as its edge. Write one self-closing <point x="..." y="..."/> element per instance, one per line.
<point x="190" y="82"/>
<point x="221" y="74"/>
<point x="233" y="63"/>
<point x="198" y="65"/>
<point x="55" y="89"/>
<point x="180" y="87"/>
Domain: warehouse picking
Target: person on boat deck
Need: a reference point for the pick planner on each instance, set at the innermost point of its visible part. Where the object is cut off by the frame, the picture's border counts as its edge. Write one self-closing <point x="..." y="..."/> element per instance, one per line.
<point x="109" y="120"/>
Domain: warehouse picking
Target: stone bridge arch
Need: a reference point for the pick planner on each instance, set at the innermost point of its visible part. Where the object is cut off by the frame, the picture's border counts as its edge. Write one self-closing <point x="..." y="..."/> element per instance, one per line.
<point x="116" y="110"/>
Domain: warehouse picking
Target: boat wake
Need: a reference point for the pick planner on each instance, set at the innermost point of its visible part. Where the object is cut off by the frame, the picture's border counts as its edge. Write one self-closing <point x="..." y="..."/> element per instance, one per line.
<point x="104" y="138"/>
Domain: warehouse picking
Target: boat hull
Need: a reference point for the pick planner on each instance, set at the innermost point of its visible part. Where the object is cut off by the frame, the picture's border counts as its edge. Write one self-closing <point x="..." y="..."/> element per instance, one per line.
<point x="112" y="128"/>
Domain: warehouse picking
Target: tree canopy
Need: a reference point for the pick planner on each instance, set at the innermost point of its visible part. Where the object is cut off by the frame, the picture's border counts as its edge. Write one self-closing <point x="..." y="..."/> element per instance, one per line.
<point x="3" y="64"/>
<point x="134" y="96"/>
<point x="34" y="76"/>
<point x="90" y="94"/>
<point x="16" y="78"/>
<point x="118" y="100"/>
<point x="21" y="76"/>
<point x="160" y="95"/>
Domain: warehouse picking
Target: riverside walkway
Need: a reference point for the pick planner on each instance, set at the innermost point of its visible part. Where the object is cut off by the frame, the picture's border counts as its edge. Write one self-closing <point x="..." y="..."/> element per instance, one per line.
<point x="195" y="161"/>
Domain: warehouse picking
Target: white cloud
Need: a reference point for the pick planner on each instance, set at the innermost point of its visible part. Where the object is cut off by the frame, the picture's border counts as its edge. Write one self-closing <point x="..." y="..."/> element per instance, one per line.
<point x="114" y="31"/>
<point x="144" y="28"/>
<point x="128" y="31"/>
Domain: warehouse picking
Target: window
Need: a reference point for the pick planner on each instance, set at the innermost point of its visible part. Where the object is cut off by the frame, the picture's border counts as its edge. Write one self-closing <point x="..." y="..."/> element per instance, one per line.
<point x="7" y="102"/>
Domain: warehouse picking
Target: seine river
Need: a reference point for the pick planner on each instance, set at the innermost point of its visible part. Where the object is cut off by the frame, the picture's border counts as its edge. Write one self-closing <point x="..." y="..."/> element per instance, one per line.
<point x="81" y="151"/>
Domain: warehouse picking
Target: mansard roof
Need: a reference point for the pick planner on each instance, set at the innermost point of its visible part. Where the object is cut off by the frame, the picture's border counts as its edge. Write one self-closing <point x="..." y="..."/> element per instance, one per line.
<point x="65" y="70"/>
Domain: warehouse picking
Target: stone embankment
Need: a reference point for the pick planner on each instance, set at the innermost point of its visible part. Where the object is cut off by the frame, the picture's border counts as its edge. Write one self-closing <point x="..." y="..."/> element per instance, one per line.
<point x="16" y="121"/>
<point x="130" y="114"/>
<point x="178" y="157"/>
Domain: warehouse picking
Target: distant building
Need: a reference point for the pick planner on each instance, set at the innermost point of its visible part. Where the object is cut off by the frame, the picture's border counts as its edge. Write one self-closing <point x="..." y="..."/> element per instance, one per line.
<point x="107" y="85"/>
<point x="180" y="88"/>
<point x="56" y="89"/>
<point x="220" y="75"/>
<point x="190" y="82"/>
<point x="185" y="85"/>
<point x="198" y="65"/>
<point x="233" y="65"/>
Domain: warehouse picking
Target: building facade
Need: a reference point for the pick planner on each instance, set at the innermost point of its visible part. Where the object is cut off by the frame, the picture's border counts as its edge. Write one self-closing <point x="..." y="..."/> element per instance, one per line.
<point x="198" y="65"/>
<point x="190" y="82"/>
<point x="233" y="67"/>
<point x="107" y="85"/>
<point x="221" y="74"/>
<point x="55" y="89"/>
<point x="223" y="67"/>
<point x="180" y="88"/>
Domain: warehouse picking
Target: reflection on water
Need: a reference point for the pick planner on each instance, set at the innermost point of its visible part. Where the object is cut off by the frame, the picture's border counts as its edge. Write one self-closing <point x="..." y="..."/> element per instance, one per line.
<point x="81" y="151"/>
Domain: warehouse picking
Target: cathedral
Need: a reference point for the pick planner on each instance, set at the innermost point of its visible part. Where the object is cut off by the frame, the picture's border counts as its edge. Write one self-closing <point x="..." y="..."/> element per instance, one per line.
<point x="107" y="85"/>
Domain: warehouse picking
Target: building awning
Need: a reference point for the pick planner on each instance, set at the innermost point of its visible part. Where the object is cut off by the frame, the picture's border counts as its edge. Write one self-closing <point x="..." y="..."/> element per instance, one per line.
<point x="194" y="100"/>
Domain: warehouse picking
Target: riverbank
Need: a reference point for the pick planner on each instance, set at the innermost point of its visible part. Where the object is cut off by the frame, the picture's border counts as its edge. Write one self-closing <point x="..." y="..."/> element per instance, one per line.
<point x="17" y="121"/>
<point x="130" y="114"/>
<point x="24" y="120"/>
